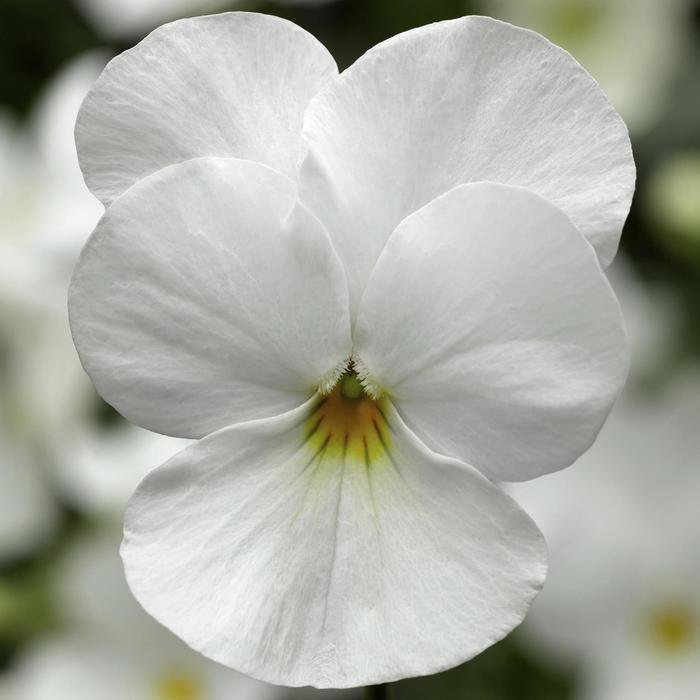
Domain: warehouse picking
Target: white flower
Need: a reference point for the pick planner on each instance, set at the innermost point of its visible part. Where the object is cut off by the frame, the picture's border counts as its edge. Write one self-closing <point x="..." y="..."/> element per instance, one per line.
<point x="46" y="207"/>
<point x="86" y="668"/>
<point x="28" y="513"/>
<point x="100" y="468"/>
<point x="112" y="649"/>
<point x="357" y="325"/>
<point x="95" y="467"/>
<point x="623" y="595"/>
<point x="119" y="18"/>
<point x="652" y="319"/>
<point x="126" y="17"/>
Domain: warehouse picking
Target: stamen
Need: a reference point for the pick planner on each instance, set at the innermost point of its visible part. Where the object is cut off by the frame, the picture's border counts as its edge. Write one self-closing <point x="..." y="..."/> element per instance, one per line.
<point x="330" y="379"/>
<point x="673" y="628"/>
<point x="369" y="383"/>
<point x="176" y="685"/>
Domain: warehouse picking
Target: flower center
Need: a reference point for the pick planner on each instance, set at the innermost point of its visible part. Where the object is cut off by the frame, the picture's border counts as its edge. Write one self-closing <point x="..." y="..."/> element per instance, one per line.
<point x="349" y="423"/>
<point x="177" y="685"/>
<point x="672" y="628"/>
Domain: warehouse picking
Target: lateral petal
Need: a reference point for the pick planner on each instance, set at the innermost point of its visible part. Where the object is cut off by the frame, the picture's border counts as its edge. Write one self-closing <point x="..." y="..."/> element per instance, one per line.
<point x="206" y="296"/>
<point x="489" y="322"/>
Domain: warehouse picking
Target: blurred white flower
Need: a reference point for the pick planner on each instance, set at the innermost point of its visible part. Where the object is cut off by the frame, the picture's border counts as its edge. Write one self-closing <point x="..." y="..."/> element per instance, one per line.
<point x="16" y="204"/>
<point x="125" y="18"/>
<point x="111" y="649"/>
<point x="87" y="668"/>
<point x="102" y="468"/>
<point x="652" y="316"/>
<point x="632" y="47"/>
<point x="303" y="538"/>
<point x="46" y="214"/>
<point x="90" y="668"/>
<point x="28" y="512"/>
<point x="623" y="594"/>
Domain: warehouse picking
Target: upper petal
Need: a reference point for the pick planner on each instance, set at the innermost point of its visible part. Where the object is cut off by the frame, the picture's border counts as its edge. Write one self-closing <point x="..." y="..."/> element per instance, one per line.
<point x="205" y="297"/>
<point x="454" y="102"/>
<point x="489" y="321"/>
<point x="292" y="554"/>
<point x="233" y="84"/>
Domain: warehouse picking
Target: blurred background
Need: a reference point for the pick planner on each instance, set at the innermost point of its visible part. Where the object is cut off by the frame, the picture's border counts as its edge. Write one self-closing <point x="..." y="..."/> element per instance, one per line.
<point x="619" y="618"/>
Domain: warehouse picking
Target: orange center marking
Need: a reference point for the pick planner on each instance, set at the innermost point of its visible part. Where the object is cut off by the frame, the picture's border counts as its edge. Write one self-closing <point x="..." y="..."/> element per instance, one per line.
<point x="348" y="423"/>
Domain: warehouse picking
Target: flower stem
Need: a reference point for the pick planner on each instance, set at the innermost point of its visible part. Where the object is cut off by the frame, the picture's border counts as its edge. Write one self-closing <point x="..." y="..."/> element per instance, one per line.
<point x="377" y="692"/>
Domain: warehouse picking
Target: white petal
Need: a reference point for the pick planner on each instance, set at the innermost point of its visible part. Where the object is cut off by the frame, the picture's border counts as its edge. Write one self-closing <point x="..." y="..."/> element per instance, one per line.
<point x="234" y="85"/>
<point x="202" y="300"/>
<point x="454" y="102"/>
<point x="489" y="321"/>
<point x="300" y="554"/>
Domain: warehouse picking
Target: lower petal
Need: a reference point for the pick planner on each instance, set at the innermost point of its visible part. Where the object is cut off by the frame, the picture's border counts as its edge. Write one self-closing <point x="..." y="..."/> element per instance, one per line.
<point x="311" y="550"/>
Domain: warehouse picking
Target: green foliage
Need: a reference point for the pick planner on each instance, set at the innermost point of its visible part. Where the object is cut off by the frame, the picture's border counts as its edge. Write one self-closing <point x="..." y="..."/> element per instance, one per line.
<point x="36" y="38"/>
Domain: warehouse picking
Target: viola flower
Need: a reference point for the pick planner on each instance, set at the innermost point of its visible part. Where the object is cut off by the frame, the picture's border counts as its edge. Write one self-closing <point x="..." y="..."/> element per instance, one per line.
<point x="369" y="296"/>
<point x="28" y="512"/>
<point x="101" y="467"/>
<point x="86" y="666"/>
<point x="623" y="598"/>
<point x="110" y="648"/>
<point x="45" y="208"/>
<point x="652" y="321"/>
<point x="128" y="18"/>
